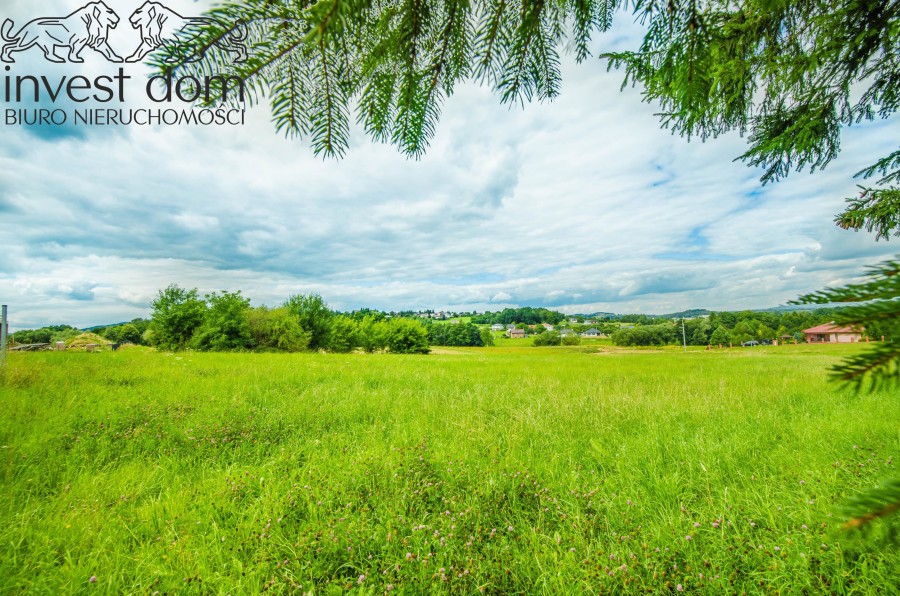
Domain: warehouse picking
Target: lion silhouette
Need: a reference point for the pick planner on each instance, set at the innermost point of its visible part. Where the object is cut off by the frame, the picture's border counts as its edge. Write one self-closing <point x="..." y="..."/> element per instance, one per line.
<point x="86" y="27"/>
<point x="162" y="27"/>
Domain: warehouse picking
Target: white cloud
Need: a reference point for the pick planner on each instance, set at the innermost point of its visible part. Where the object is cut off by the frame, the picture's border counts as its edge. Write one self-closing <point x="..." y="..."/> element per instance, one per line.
<point x="581" y="204"/>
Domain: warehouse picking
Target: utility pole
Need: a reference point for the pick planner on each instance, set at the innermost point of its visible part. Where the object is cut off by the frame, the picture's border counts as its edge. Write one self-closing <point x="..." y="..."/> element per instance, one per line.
<point x="4" y="325"/>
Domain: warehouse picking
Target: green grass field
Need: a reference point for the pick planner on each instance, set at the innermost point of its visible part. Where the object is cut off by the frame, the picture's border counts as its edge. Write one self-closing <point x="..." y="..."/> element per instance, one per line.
<point x="502" y="470"/>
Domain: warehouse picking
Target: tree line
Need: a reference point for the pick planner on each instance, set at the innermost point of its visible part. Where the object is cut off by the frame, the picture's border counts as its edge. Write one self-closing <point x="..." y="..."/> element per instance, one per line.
<point x="725" y="328"/>
<point x="524" y="316"/>
<point x="460" y="334"/>
<point x="224" y="321"/>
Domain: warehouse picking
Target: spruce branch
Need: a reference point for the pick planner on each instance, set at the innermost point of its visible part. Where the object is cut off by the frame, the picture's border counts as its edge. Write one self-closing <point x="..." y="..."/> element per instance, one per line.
<point x="868" y="506"/>
<point x="875" y="304"/>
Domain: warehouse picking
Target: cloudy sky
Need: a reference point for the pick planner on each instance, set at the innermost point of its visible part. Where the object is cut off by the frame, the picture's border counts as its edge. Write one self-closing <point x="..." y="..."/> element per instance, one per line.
<point x="583" y="204"/>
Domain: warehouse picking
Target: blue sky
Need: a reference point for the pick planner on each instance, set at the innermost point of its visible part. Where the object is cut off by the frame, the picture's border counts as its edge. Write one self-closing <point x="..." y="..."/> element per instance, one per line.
<point x="583" y="204"/>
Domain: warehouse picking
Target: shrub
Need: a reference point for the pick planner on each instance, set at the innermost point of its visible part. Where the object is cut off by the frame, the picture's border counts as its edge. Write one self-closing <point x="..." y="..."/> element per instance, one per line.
<point x="547" y="338"/>
<point x="407" y="337"/>
<point x="571" y="340"/>
<point x="276" y="330"/>
<point x="225" y="324"/>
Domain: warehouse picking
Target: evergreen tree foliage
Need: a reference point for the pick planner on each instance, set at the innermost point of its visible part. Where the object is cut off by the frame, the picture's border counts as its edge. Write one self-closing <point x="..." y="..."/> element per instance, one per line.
<point x="877" y="504"/>
<point x="876" y="305"/>
<point x="788" y="75"/>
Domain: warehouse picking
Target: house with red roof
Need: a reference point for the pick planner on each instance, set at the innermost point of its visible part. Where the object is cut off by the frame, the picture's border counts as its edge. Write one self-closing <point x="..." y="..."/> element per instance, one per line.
<point x="831" y="333"/>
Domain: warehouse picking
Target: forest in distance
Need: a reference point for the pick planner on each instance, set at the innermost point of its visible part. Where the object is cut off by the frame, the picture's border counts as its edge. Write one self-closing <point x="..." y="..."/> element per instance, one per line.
<point x="182" y="319"/>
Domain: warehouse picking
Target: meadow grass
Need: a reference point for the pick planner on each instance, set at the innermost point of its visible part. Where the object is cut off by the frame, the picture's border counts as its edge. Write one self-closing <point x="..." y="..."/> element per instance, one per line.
<point x="498" y="470"/>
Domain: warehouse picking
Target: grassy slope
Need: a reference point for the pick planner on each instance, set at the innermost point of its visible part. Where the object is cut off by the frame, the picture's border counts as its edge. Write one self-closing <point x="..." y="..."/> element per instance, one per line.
<point x="512" y="470"/>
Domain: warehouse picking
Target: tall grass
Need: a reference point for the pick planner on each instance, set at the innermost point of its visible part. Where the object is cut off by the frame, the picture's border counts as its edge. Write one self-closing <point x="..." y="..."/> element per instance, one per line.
<point x="498" y="470"/>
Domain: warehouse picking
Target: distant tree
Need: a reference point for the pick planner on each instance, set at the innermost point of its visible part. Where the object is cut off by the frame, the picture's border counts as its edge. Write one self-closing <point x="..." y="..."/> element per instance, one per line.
<point x="743" y="332"/>
<point x="720" y="337"/>
<point x="111" y="333"/>
<point x="765" y="332"/>
<point x="276" y="330"/>
<point x="645" y="335"/>
<point x="697" y="331"/>
<point x="525" y="315"/>
<point x="364" y="313"/>
<point x="607" y="328"/>
<point x="570" y="340"/>
<point x="407" y="336"/>
<point x="141" y="324"/>
<point x="438" y="335"/>
<point x="637" y="319"/>
<point x="314" y="316"/>
<point x="487" y="337"/>
<point x="460" y="334"/>
<point x="374" y="332"/>
<point x="226" y="326"/>
<point x="465" y="334"/>
<point x="344" y="336"/>
<point x="177" y="313"/>
<point x="31" y="336"/>
<point x="547" y="338"/>
<point x="128" y="333"/>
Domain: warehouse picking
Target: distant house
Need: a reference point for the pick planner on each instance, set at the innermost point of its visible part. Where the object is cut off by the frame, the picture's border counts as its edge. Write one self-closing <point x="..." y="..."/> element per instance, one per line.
<point x="592" y="333"/>
<point x="548" y="326"/>
<point x="831" y="333"/>
<point x="516" y="333"/>
<point x="566" y="332"/>
<point x="573" y="321"/>
<point x="509" y="327"/>
<point x="497" y="327"/>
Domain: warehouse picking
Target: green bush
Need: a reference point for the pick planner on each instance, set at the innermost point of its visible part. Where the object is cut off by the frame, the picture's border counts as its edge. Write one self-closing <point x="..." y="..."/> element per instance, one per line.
<point x="407" y="336"/>
<point x="276" y="330"/>
<point x="547" y="338"/>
